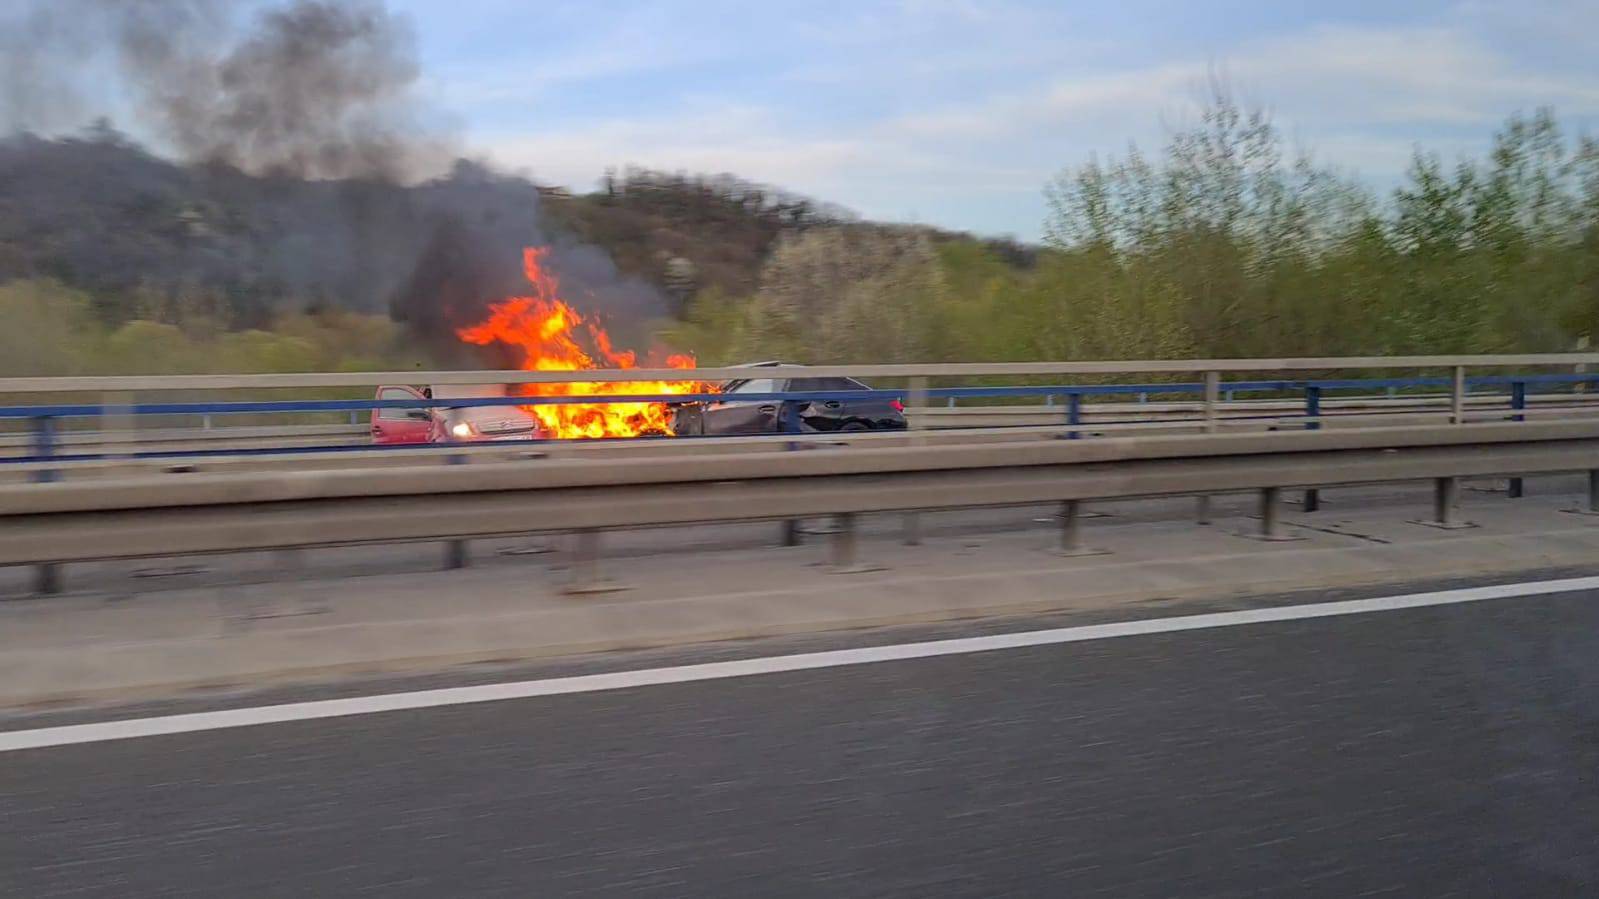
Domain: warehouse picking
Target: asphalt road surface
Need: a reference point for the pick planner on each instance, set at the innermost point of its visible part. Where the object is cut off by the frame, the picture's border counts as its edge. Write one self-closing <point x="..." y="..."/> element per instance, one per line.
<point x="1446" y="750"/>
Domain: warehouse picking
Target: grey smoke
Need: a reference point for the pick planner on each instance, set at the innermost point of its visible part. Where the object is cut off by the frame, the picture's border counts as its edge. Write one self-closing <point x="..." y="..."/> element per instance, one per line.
<point x="313" y="88"/>
<point x="314" y="173"/>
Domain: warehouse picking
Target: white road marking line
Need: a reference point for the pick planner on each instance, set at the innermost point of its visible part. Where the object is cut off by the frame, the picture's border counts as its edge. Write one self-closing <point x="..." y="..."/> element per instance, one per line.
<point x="622" y="680"/>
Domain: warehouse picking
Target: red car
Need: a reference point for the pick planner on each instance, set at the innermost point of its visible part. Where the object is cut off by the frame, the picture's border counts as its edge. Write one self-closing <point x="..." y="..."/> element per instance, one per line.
<point x="445" y="424"/>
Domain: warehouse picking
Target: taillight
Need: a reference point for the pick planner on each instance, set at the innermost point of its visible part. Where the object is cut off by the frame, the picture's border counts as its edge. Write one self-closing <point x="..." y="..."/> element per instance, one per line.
<point x="898" y="406"/>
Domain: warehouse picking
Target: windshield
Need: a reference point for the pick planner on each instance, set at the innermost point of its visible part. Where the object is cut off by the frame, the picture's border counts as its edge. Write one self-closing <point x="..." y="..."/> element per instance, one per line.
<point x="481" y="414"/>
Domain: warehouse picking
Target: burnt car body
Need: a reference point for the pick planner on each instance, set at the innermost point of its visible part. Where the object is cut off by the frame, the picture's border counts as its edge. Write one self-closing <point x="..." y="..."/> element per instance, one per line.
<point x="833" y="410"/>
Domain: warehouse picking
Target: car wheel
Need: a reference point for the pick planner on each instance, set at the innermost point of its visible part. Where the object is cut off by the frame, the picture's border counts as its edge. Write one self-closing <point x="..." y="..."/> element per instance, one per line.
<point x="855" y="426"/>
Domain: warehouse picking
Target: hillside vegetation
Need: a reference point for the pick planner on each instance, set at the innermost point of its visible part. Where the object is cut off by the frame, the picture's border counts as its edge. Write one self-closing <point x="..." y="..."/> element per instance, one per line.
<point x="1218" y="244"/>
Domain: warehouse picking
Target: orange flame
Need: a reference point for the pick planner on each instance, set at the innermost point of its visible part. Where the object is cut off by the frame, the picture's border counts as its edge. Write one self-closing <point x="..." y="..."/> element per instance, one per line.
<point x="547" y="331"/>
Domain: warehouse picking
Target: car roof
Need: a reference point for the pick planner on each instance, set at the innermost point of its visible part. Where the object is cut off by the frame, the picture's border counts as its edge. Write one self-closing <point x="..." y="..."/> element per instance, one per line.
<point x="468" y="391"/>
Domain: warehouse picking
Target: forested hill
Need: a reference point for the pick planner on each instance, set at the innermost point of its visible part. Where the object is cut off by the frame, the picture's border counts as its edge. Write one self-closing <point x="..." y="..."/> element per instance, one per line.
<point x="141" y="235"/>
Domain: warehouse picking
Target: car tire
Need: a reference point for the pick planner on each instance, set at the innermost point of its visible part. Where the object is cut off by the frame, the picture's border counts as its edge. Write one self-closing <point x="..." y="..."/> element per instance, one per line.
<point x="855" y="426"/>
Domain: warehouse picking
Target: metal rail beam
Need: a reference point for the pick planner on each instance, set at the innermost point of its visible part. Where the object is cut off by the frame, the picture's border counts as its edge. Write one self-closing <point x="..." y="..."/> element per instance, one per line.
<point x="53" y="523"/>
<point x="102" y="384"/>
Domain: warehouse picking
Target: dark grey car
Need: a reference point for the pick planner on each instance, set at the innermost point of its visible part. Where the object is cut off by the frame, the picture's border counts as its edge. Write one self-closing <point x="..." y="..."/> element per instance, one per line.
<point x="837" y="412"/>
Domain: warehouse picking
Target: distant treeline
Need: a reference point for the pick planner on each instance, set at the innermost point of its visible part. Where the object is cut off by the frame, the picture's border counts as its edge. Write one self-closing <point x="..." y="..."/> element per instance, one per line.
<point x="1221" y="245"/>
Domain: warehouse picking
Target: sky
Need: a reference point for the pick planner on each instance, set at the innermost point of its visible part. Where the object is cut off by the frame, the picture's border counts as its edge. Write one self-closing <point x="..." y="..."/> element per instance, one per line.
<point x="956" y="112"/>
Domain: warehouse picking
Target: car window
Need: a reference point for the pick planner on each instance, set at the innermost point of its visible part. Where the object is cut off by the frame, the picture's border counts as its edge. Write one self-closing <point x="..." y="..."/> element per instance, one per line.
<point x="394" y="393"/>
<point x="756" y="385"/>
<point x="826" y="384"/>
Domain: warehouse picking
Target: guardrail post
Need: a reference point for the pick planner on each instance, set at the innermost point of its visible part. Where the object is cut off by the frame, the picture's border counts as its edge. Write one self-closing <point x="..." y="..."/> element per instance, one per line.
<point x="585" y="574"/>
<point x="456" y="554"/>
<point x="1312" y="500"/>
<point x="1071" y="531"/>
<point x="1445" y="495"/>
<point x="1518" y="403"/>
<point x="44" y="448"/>
<point x="843" y="543"/>
<point x="844" y="557"/>
<point x="912" y="528"/>
<point x="791" y="526"/>
<point x="1457" y="396"/>
<point x="1591" y="507"/>
<point x="46" y="577"/>
<point x="1270" y="514"/>
<point x="1074" y="414"/>
<point x="118" y="424"/>
<point x="1445" y="502"/>
<point x="1210" y="426"/>
<point x="1212" y="391"/>
<point x="911" y="522"/>
<point x="1271" y="517"/>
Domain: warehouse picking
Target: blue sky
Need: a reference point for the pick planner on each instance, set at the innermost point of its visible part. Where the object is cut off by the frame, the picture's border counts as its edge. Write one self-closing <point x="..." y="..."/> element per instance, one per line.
<point x="955" y="112"/>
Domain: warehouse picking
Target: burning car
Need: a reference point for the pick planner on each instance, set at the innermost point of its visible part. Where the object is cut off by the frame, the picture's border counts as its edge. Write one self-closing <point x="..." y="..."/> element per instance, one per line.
<point x="452" y="424"/>
<point x="544" y="333"/>
<point x="734" y="415"/>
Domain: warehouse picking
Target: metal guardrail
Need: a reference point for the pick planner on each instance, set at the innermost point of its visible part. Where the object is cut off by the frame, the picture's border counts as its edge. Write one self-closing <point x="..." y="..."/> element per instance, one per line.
<point x="1211" y="411"/>
<point x="48" y="524"/>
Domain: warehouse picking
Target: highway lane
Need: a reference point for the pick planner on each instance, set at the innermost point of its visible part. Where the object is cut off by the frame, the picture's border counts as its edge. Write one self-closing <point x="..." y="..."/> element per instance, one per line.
<point x="1446" y="750"/>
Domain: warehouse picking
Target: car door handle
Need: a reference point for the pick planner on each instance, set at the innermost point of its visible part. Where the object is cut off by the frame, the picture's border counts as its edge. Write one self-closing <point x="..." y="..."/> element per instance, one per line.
<point x="766" y="410"/>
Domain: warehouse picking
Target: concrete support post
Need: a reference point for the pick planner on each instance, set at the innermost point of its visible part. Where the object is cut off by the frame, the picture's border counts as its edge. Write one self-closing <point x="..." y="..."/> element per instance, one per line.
<point x="1593" y="491"/>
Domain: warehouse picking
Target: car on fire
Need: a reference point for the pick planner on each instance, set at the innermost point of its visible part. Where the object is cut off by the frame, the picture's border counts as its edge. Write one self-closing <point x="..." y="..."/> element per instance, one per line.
<point x="451" y="424"/>
<point x="834" y="411"/>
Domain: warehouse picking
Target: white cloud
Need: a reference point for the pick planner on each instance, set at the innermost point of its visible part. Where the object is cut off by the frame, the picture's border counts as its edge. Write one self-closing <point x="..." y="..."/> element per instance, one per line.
<point x="1333" y="77"/>
<point x="1358" y="97"/>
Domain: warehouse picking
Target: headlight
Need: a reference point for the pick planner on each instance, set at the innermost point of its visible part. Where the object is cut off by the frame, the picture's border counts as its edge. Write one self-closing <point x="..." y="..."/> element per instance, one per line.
<point x="461" y="430"/>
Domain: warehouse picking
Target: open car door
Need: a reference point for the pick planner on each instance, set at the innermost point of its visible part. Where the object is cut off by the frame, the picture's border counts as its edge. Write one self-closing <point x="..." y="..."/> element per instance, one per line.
<point x="401" y="425"/>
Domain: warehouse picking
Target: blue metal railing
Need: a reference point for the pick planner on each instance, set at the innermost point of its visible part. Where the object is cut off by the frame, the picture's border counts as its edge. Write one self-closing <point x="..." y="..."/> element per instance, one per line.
<point x="46" y="440"/>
